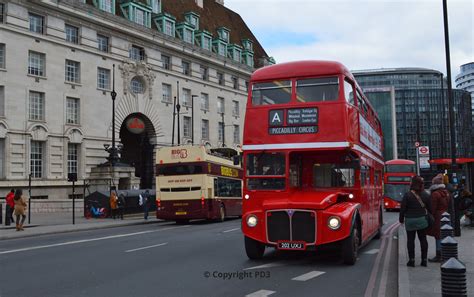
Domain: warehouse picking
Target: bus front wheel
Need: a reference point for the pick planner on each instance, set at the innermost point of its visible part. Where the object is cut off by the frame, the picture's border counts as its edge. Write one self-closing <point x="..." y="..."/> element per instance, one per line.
<point x="350" y="247"/>
<point x="254" y="249"/>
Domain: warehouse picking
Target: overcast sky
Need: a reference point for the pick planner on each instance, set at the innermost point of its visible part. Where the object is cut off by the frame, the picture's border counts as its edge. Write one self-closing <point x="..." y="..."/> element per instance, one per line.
<point x="362" y="34"/>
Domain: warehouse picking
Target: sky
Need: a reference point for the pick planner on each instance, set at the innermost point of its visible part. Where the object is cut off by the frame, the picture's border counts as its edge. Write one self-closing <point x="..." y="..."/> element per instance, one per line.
<point x="362" y="34"/>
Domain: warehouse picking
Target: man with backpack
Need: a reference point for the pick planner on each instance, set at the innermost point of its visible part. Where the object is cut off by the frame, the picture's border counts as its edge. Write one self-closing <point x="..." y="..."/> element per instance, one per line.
<point x="144" y="200"/>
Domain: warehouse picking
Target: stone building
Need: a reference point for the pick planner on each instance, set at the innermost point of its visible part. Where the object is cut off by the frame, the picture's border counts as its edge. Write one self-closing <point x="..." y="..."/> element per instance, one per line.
<point x="56" y="76"/>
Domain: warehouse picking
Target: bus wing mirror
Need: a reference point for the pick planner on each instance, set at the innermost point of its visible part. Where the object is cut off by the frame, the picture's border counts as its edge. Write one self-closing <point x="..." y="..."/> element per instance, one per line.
<point x="236" y="159"/>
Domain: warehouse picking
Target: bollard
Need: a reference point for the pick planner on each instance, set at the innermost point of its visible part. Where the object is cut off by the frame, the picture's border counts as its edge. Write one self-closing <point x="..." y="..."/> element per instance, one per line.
<point x="453" y="279"/>
<point x="446" y="215"/>
<point x="446" y="230"/>
<point x="449" y="248"/>
<point x="445" y="221"/>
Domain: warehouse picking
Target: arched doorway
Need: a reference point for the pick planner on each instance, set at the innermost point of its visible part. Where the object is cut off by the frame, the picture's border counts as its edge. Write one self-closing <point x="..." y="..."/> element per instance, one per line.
<point x="136" y="135"/>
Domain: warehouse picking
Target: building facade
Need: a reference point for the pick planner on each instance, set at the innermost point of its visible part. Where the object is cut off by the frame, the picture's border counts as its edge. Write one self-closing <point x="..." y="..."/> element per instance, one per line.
<point x="465" y="81"/>
<point x="421" y="108"/>
<point x="60" y="60"/>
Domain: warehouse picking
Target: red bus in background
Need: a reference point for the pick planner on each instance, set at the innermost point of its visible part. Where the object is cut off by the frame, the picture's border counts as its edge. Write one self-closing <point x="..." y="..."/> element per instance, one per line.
<point x="397" y="179"/>
<point x="312" y="152"/>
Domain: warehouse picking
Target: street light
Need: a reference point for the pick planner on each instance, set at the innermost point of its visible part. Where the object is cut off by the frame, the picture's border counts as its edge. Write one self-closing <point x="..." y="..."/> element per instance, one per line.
<point x="192" y="118"/>
<point x="223" y="130"/>
<point x="113" y="153"/>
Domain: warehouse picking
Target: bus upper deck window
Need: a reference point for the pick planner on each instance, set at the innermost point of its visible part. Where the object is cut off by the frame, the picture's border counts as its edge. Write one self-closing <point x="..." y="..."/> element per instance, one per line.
<point x="269" y="93"/>
<point x="317" y="89"/>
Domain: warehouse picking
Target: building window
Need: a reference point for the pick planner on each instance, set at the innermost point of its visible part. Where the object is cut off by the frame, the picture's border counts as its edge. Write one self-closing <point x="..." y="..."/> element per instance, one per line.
<point x="220" y="78"/>
<point x="169" y="28"/>
<point x="2" y="55"/>
<point x="235" y="108"/>
<point x="103" y="43"/>
<point x="36" y="63"/>
<point x="236" y="56"/>
<point x="106" y="5"/>
<point x="186" y="68"/>
<point x="166" y="93"/>
<point x="236" y="134"/>
<point x="73" y="71"/>
<point x="205" y="129"/>
<point x="72" y="111"/>
<point x="165" y="60"/>
<point x="2" y="13"/>
<point x="186" y="97"/>
<point x="187" y="36"/>
<point x="221" y="49"/>
<point x="36" y="23"/>
<point x="206" y="43"/>
<point x="2" y="101"/>
<point x="204" y="73"/>
<point x="204" y="101"/>
<point x="137" y="53"/>
<point x="140" y="17"/>
<point x="72" y="34"/>
<point x="220" y="105"/>
<point x="72" y="157"/>
<point x="220" y="128"/>
<point x="36" y="159"/>
<point x="156" y="6"/>
<point x="235" y="82"/>
<point x="187" y="126"/>
<point x="36" y="106"/>
<point x="103" y="78"/>
<point x="2" y="158"/>
<point x="137" y="86"/>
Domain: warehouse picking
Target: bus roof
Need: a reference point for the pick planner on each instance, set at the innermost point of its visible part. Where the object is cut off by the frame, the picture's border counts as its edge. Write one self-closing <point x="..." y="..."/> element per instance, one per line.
<point x="300" y="69"/>
<point x="400" y="162"/>
<point x="196" y="153"/>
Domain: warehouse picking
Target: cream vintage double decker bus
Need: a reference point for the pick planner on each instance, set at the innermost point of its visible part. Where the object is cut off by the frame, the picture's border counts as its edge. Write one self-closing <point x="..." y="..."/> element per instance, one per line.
<point x="193" y="182"/>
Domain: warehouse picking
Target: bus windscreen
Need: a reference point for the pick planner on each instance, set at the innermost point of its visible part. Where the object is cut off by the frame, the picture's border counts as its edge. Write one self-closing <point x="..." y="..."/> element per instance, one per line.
<point x="399" y="168"/>
<point x="396" y="192"/>
<point x="266" y="164"/>
<point x="179" y="169"/>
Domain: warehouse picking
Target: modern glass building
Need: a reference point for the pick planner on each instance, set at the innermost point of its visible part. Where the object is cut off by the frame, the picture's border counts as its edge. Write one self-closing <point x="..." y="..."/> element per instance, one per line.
<point x="400" y="78"/>
<point x="465" y="81"/>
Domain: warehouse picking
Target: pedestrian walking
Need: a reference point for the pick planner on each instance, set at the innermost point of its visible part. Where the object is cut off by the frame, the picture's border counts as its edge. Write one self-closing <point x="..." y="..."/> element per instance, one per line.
<point x="121" y="205"/>
<point x="10" y="207"/>
<point x="440" y="202"/>
<point x="20" y="209"/>
<point x="113" y="204"/>
<point x="144" y="200"/>
<point x="414" y="211"/>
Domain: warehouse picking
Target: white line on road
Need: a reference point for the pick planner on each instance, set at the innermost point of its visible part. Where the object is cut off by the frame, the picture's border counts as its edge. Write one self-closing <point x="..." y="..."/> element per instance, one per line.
<point x="308" y="276"/>
<point x="147" y="247"/>
<point x="260" y="293"/>
<point x="371" y="252"/>
<point x="274" y="264"/>
<point x="235" y="229"/>
<point x="88" y="240"/>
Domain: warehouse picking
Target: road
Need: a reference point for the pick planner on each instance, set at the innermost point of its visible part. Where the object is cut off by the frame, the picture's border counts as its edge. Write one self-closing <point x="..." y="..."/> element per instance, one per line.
<point x="198" y="259"/>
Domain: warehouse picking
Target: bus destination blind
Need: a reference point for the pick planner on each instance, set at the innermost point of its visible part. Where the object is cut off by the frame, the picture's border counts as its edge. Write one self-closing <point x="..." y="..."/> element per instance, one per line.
<point x="298" y="121"/>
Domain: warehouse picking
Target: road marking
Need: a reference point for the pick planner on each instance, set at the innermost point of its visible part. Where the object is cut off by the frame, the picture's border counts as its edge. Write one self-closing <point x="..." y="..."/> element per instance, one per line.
<point x="383" y="280"/>
<point x="308" y="276"/>
<point x="371" y="252"/>
<point x="373" y="275"/>
<point x="260" y="293"/>
<point x="235" y="229"/>
<point x="88" y="240"/>
<point x="147" y="247"/>
<point x="274" y="264"/>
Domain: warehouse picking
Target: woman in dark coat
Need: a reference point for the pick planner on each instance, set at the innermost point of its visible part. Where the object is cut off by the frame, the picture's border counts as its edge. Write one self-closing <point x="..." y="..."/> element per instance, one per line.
<point x="440" y="202"/>
<point x="413" y="214"/>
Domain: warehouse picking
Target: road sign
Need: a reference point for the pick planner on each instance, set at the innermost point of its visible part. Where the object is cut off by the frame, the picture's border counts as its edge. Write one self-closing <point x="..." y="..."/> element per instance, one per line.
<point x="424" y="164"/>
<point x="424" y="150"/>
<point x="417" y="144"/>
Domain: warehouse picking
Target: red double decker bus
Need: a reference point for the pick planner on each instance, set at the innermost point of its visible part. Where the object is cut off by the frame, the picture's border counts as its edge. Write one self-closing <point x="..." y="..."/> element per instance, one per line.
<point x="312" y="161"/>
<point x="397" y="179"/>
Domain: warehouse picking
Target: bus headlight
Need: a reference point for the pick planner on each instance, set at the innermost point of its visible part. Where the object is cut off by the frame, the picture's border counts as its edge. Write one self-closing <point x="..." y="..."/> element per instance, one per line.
<point x="351" y="196"/>
<point x="334" y="223"/>
<point x="251" y="221"/>
<point x="247" y="196"/>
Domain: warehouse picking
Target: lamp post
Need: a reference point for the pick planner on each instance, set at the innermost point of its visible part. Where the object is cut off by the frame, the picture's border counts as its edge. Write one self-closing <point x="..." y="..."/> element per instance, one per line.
<point x="178" y="108"/>
<point x="223" y="130"/>
<point x="113" y="153"/>
<point x="192" y="118"/>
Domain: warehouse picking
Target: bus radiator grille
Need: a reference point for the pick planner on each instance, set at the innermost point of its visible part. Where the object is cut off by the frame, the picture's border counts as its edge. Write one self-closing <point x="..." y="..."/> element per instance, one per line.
<point x="299" y="226"/>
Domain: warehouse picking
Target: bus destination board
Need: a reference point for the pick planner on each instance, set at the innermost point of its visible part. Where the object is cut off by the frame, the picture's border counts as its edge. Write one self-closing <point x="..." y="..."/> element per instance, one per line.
<point x="302" y="116"/>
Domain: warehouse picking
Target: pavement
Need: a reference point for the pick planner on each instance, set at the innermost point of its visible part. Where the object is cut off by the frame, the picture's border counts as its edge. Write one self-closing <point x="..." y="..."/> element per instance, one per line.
<point x="61" y="222"/>
<point x="422" y="281"/>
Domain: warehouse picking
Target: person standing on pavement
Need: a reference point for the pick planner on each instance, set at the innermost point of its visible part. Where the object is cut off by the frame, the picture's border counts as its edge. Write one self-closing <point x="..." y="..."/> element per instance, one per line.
<point x="121" y="205"/>
<point x="144" y="200"/>
<point x="113" y="204"/>
<point x="20" y="209"/>
<point x="10" y="206"/>
<point x="413" y="210"/>
<point x="440" y="202"/>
